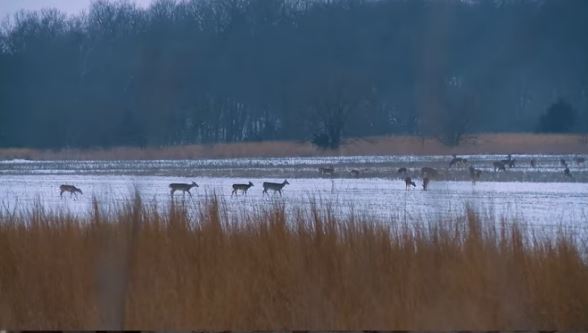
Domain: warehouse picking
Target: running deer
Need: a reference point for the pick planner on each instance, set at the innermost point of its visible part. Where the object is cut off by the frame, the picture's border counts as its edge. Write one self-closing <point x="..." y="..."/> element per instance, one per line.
<point x="276" y="187"/>
<point x="69" y="188"/>
<point x="498" y="165"/>
<point x="429" y="172"/>
<point x="457" y="161"/>
<point x="326" y="170"/>
<point x="182" y="187"/>
<point x="425" y="183"/>
<point x="408" y="181"/>
<point x="475" y="174"/>
<point x="241" y="187"/>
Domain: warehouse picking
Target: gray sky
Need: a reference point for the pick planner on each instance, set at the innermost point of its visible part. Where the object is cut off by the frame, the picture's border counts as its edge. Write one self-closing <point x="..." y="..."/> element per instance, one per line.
<point x="68" y="6"/>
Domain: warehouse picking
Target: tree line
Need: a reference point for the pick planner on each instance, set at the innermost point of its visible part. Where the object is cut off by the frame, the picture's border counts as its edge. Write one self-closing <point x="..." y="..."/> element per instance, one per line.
<point x="209" y="71"/>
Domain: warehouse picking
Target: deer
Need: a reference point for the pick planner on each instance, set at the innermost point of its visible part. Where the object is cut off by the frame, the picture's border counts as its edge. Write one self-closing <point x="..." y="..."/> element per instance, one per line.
<point x="408" y="181"/>
<point x="326" y="170"/>
<point x="354" y="172"/>
<point x="509" y="161"/>
<point x="402" y="170"/>
<point x="498" y="165"/>
<point x="276" y="187"/>
<point x="429" y="172"/>
<point x="567" y="172"/>
<point x="426" y="181"/>
<point x="457" y="161"/>
<point x="182" y="187"/>
<point x="475" y="174"/>
<point x="69" y="188"/>
<point x="241" y="187"/>
<point x="533" y="163"/>
<point x="563" y="162"/>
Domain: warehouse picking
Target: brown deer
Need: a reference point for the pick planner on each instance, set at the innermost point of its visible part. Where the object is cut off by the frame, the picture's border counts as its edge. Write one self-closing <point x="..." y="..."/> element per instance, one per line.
<point x="498" y="165"/>
<point x="276" y="187"/>
<point x="241" y="187"/>
<point x="69" y="188"/>
<point x="182" y="187"/>
<point x="408" y="181"/>
<point x="425" y="183"/>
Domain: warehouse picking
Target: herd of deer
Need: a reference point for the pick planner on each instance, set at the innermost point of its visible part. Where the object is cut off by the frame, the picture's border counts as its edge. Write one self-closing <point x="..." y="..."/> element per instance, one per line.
<point x="185" y="188"/>
<point x="427" y="173"/>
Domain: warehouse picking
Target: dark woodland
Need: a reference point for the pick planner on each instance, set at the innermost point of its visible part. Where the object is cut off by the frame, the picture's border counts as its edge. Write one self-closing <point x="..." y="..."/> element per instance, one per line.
<point x="210" y="71"/>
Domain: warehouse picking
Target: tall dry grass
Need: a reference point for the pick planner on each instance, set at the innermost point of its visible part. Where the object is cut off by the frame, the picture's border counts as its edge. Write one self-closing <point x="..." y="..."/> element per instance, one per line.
<point x="490" y="143"/>
<point x="140" y="269"/>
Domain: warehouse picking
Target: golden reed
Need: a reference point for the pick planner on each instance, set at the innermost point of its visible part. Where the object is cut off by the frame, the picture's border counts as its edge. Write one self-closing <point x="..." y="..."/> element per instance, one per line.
<point x="138" y="268"/>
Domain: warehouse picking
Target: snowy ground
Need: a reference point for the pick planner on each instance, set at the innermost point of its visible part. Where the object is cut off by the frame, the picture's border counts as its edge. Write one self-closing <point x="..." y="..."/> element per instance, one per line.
<point x="540" y="196"/>
<point x="548" y="167"/>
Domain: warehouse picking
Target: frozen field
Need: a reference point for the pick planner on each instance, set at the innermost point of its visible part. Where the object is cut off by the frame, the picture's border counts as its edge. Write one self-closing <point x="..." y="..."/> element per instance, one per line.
<point x="540" y="196"/>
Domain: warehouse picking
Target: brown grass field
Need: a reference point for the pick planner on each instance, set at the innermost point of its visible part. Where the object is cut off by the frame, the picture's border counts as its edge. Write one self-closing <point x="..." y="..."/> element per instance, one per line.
<point x="389" y="145"/>
<point x="138" y="269"/>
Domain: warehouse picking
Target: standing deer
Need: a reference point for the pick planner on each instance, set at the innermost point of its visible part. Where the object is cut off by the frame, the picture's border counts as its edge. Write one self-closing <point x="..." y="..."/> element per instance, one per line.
<point x="475" y="174"/>
<point x="425" y="183"/>
<point x="69" y="188"/>
<point x="182" y="187"/>
<point x="498" y="165"/>
<point x="408" y="181"/>
<point x="276" y="187"/>
<point x="241" y="187"/>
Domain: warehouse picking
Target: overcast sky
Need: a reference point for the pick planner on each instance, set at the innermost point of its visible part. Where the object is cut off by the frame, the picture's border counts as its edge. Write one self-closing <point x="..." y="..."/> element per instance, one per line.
<point x="69" y="6"/>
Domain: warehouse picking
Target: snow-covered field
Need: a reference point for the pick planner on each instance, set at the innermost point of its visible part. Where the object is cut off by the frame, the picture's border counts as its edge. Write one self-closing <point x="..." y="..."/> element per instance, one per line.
<point x="540" y="196"/>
